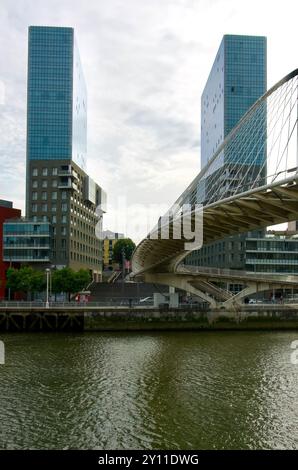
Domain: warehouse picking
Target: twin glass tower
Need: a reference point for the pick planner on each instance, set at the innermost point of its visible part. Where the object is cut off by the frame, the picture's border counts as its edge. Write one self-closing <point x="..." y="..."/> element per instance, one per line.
<point x="56" y="98"/>
<point x="58" y="190"/>
<point x="238" y="77"/>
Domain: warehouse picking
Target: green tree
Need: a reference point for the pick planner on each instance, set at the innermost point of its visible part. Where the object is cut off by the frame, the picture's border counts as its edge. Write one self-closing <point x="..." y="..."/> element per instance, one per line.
<point x="124" y="245"/>
<point x="13" y="279"/>
<point x="68" y="281"/>
<point x="82" y="279"/>
<point x="25" y="279"/>
<point x="63" y="281"/>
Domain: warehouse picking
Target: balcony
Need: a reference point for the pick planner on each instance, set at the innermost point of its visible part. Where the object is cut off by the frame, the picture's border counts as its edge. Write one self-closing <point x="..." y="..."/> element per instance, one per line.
<point x="68" y="172"/>
<point x="64" y="173"/>
<point x="23" y="259"/>
<point x="69" y="184"/>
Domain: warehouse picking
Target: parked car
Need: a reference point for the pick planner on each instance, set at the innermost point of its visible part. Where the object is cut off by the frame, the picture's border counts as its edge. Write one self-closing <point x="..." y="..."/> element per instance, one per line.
<point x="146" y="300"/>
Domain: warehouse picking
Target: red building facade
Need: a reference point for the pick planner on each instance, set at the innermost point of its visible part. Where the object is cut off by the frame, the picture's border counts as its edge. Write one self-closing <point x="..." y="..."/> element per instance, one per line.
<point x="6" y="212"/>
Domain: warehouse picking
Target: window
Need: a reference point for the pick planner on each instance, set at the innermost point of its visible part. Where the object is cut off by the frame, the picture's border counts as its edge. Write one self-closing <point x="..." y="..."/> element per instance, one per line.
<point x="44" y="207"/>
<point x="54" y="219"/>
<point x="44" y="172"/>
<point x="34" y="207"/>
<point x="44" y="183"/>
<point x="35" y="172"/>
<point x="64" y="219"/>
<point x="54" y="208"/>
<point x="54" y="171"/>
<point x="34" y="184"/>
<point x="64" y="194"/>
<point x="63" y="230"/>
<point x="54" y="195"/>
<point x="44" y="195"/>
<point x="34" y="196"/>
<point x="54" y="183"/>
<point x="44" y="218"/>
<point x="64" y="207"/>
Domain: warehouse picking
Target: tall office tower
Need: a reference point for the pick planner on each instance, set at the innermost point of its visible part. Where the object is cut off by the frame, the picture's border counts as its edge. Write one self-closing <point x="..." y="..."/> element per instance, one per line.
<point x="58" y="190"/>
<point x="236" y="80"/>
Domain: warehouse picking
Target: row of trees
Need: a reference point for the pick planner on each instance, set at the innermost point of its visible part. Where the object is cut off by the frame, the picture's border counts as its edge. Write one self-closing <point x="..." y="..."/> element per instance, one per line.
<point x="30" y="281"/>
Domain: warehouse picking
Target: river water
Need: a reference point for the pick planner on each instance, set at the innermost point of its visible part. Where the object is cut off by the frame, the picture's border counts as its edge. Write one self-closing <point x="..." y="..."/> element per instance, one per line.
<point x="176" y="390"/>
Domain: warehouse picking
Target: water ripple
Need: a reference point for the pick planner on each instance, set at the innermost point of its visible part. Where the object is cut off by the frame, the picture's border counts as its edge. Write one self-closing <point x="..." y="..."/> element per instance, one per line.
<point x="152" y="391"/>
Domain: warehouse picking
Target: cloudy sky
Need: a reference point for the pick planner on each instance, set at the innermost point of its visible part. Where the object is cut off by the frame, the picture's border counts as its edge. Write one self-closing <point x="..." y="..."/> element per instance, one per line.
<point x="145" y="64"/>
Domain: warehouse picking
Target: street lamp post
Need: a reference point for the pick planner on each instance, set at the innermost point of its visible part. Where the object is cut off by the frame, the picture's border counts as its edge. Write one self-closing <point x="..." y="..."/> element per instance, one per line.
<point x="48" y="278"/>
<point x="123" y="264"/>
<point x="10" y="265"/>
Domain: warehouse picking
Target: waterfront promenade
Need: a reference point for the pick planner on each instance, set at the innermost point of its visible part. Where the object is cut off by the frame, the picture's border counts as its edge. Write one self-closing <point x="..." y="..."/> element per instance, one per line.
<point x="27" y="316"/>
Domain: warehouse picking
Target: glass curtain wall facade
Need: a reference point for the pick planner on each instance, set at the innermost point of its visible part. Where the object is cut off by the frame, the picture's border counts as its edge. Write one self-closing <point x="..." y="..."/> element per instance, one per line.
<point x="57" y="97"/>
<point x="25" y="241"/>
<point x="57" y="148"/>
<point x="236" y="80"/>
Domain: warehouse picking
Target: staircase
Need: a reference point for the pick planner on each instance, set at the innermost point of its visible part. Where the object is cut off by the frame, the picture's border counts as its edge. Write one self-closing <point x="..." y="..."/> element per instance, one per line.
<point x="130" y="290"/>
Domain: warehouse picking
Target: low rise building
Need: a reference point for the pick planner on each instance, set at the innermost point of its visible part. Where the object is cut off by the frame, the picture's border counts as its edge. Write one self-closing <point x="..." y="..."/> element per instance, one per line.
<point x="7" y="211"/>
<point x="109" y="240"/>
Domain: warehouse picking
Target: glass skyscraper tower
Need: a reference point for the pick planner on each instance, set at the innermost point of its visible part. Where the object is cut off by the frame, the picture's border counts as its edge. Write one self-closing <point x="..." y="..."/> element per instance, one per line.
<point x="238" y="77"/>
<point x="236" y="80"/>
<point x="58" y="190"/>
<point x="57" y="97"/>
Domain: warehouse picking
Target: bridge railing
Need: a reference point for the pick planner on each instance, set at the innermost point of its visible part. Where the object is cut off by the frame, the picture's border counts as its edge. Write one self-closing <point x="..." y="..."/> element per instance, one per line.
<point x="259" y="150"/>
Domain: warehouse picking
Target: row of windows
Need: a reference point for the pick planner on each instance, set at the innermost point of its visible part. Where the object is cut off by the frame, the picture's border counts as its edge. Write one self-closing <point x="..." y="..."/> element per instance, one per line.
<point x="84" y="217"/>
<point x="44" y="195"/>
<point x="81" y="226"/>
<point x="288" y="269"/>
<point x="57" y="113"/>
<point x="83" y="248"/>
<point x="87" y="238"/>
<point x="26" y="255"/>
<point x="63" y="219"/>
<point x="44" y="184"/>
<point x="45" y="172"/>
<point x="215" y="260"/>
<point x="37" y="85"/>
<point x="48" y="153"/>
<point x="54" y="172"/>
<point x="42" y="121"/>
<point x="26" y="228"/>
<point x="38" y="58"/>
<point x="26" y="241"/>
<point x="44" y="207"/>
<point x="267" y="245"/>
<point x="270" y="259"/>
<point x="83" y="258"/>
<point x="41" y="128"/>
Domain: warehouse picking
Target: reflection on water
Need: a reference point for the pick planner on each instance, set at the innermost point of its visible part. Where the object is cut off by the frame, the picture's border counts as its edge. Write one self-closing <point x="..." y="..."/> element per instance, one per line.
<point x="149" y="390"/>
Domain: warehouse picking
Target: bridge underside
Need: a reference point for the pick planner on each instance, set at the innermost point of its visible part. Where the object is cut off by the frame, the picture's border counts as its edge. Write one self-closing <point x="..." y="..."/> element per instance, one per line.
<point x="248" y="211"/>
<point x="249" y="183"/>
<point x="205" y="285"/>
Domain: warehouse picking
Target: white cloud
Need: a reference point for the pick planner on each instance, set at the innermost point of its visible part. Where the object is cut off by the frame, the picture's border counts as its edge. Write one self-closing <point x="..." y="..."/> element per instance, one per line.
<point x="145" y="65"/>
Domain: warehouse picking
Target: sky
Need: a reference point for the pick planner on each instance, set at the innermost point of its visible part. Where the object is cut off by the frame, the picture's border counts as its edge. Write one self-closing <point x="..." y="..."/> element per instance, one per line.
<point x="145" y="64"/>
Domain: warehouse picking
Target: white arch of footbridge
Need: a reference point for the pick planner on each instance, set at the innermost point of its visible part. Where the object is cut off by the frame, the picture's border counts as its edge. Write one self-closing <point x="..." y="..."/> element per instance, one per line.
<point x="249" y="183"/>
